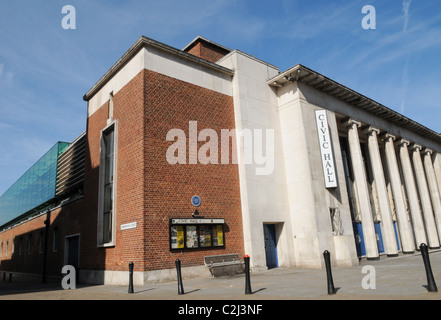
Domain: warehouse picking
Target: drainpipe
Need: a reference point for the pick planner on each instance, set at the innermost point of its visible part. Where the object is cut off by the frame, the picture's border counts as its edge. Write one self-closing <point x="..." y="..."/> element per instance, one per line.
<point x="47" y="223"/>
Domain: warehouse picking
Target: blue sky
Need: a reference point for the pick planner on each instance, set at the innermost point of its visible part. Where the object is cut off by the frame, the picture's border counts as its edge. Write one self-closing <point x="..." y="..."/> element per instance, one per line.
<point x="45" y="70"/>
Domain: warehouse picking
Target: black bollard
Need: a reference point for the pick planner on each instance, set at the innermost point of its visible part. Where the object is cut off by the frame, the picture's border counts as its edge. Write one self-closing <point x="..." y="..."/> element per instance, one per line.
<point x="331" y="288"/>
<point x="247" y="275"/>
<point x="131" y="277"/>
<point x="178" y="269"/>
<point x="431" y="285"/>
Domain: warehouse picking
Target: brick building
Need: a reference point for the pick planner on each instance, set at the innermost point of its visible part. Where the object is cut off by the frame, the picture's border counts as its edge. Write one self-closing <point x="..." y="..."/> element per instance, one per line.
<point x="130" y="111"/>
<point x="285" y="165"/>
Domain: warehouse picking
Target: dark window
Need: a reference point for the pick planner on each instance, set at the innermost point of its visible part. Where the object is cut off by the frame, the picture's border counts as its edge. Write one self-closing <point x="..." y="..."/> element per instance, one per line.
<point x="108" y="137"/>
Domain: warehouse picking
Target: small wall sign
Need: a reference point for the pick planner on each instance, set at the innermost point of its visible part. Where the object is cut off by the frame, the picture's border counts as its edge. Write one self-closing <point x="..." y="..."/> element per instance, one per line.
<point x="326" y="149"/>
<point x="130" y="225"/>
<point x="196" y="200"/>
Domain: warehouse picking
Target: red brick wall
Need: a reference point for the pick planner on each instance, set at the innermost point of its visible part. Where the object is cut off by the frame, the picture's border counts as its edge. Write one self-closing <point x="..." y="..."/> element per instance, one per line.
<point x="171" y="103"/>
<point x="128" y="104"/>
<point x="128" y="109"/>
<point x="150" y="191"/>
<point x="29" y="258"/>
<point x="66" y="219"/>
<point x="207" y="51"/>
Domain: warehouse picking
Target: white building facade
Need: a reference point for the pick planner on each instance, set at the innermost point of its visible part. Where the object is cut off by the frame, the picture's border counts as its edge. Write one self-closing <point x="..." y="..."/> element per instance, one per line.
<point x="350" y="176"/>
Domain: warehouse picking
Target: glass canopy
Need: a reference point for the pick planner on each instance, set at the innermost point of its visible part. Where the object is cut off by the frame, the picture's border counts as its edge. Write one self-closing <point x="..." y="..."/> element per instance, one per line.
<point x="34" y="187"/>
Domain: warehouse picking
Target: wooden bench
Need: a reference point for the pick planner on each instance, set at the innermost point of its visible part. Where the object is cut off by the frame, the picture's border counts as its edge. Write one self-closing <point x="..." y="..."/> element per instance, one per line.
<point x="224" y="264"/>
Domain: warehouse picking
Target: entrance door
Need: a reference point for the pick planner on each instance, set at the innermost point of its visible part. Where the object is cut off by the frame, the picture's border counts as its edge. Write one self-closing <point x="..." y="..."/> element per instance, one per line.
<point x="73" y="247"/>
<point x="379" y="237"/>
<point x="359" y="239"/>
<point x="269" y="233"/>
<point x="396" y="235"/>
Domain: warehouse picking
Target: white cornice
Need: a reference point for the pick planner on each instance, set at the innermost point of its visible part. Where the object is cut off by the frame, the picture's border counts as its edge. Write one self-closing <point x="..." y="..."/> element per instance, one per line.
<point x="134" y="49"/>
<point x="322" y="83"/>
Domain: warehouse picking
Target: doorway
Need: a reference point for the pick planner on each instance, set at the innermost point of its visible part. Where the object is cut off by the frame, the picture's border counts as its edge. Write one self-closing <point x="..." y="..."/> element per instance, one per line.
<point x="269" y="233"/>
<point x="359" y="239"/>
<point x="72" y="251"/>
<point x="379" y="237"/>
<point x="397" y="236"/>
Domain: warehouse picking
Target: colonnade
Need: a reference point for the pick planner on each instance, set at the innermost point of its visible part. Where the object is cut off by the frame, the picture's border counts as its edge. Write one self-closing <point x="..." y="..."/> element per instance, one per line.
<point x="410" y="172"/>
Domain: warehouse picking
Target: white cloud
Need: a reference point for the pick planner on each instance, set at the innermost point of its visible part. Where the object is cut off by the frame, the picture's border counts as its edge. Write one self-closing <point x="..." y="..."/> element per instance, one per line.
<point x="406" y="6"/>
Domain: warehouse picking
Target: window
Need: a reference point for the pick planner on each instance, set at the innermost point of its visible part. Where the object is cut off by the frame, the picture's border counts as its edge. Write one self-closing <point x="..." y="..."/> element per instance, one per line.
<point x="196" y="233"/>
<point x="108" y="186"/>
<point x="106" y="214"/>
<point x="30" y="244"/>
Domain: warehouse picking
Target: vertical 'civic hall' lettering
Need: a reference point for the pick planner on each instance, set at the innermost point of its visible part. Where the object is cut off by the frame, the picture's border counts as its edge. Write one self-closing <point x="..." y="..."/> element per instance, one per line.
<point x="326" y="149"/>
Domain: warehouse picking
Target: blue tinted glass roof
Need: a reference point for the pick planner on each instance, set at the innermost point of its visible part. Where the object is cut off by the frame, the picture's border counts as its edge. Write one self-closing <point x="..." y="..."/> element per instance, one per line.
<point x="34" y="187"/>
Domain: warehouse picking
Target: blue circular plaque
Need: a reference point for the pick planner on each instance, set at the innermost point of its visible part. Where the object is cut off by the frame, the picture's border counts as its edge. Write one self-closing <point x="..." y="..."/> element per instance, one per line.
<point x="196" y="201"/>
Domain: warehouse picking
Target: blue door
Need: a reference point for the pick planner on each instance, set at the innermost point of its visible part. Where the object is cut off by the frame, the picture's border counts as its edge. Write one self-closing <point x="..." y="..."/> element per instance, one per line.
<point x="379" y="237"/>
<point x="359" y="239"/>
<point x="396" y="235"/>
<point x="269" y="233"/>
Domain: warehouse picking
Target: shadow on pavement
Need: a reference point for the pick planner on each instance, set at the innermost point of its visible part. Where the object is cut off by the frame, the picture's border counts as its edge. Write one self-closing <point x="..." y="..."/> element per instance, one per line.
<point x="11" y="288"/>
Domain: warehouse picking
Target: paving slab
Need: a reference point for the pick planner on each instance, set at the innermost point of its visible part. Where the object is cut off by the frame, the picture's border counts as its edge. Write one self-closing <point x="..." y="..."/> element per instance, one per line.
<point x="390" y="278"/>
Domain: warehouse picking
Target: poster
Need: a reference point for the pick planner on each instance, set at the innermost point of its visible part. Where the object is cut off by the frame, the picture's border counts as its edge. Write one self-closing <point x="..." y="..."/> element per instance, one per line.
<point x="180" y="237"/>
<point x="192" y="237"/>
<point x="220" y="235"/>
<point x="205" y="236"/>
<point x="177" y="237"/>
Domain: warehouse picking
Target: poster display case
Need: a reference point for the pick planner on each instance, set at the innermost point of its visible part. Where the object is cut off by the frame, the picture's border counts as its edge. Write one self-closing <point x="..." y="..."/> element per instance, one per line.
<point x="196" y="233"/>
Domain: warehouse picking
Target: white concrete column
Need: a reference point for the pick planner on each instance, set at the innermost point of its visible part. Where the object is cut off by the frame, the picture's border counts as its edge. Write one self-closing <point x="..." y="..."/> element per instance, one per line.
<point x="357" y="161"/>
<point x="437" y="168"/>
<point x="388" y="232"/>
<point x="429" y="220"/>
<point x="433" y="187"/>
<point x="412" y="193"/>
<point x="404" y="226"/>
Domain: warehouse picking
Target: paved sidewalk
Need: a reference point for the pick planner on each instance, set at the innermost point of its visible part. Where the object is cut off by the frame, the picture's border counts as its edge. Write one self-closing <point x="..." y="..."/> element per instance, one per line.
<point x="397" y="278"/>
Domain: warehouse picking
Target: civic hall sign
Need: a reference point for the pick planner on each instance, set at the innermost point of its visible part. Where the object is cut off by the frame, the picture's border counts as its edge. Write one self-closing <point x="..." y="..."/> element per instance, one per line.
<point x="326" y="149"/>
